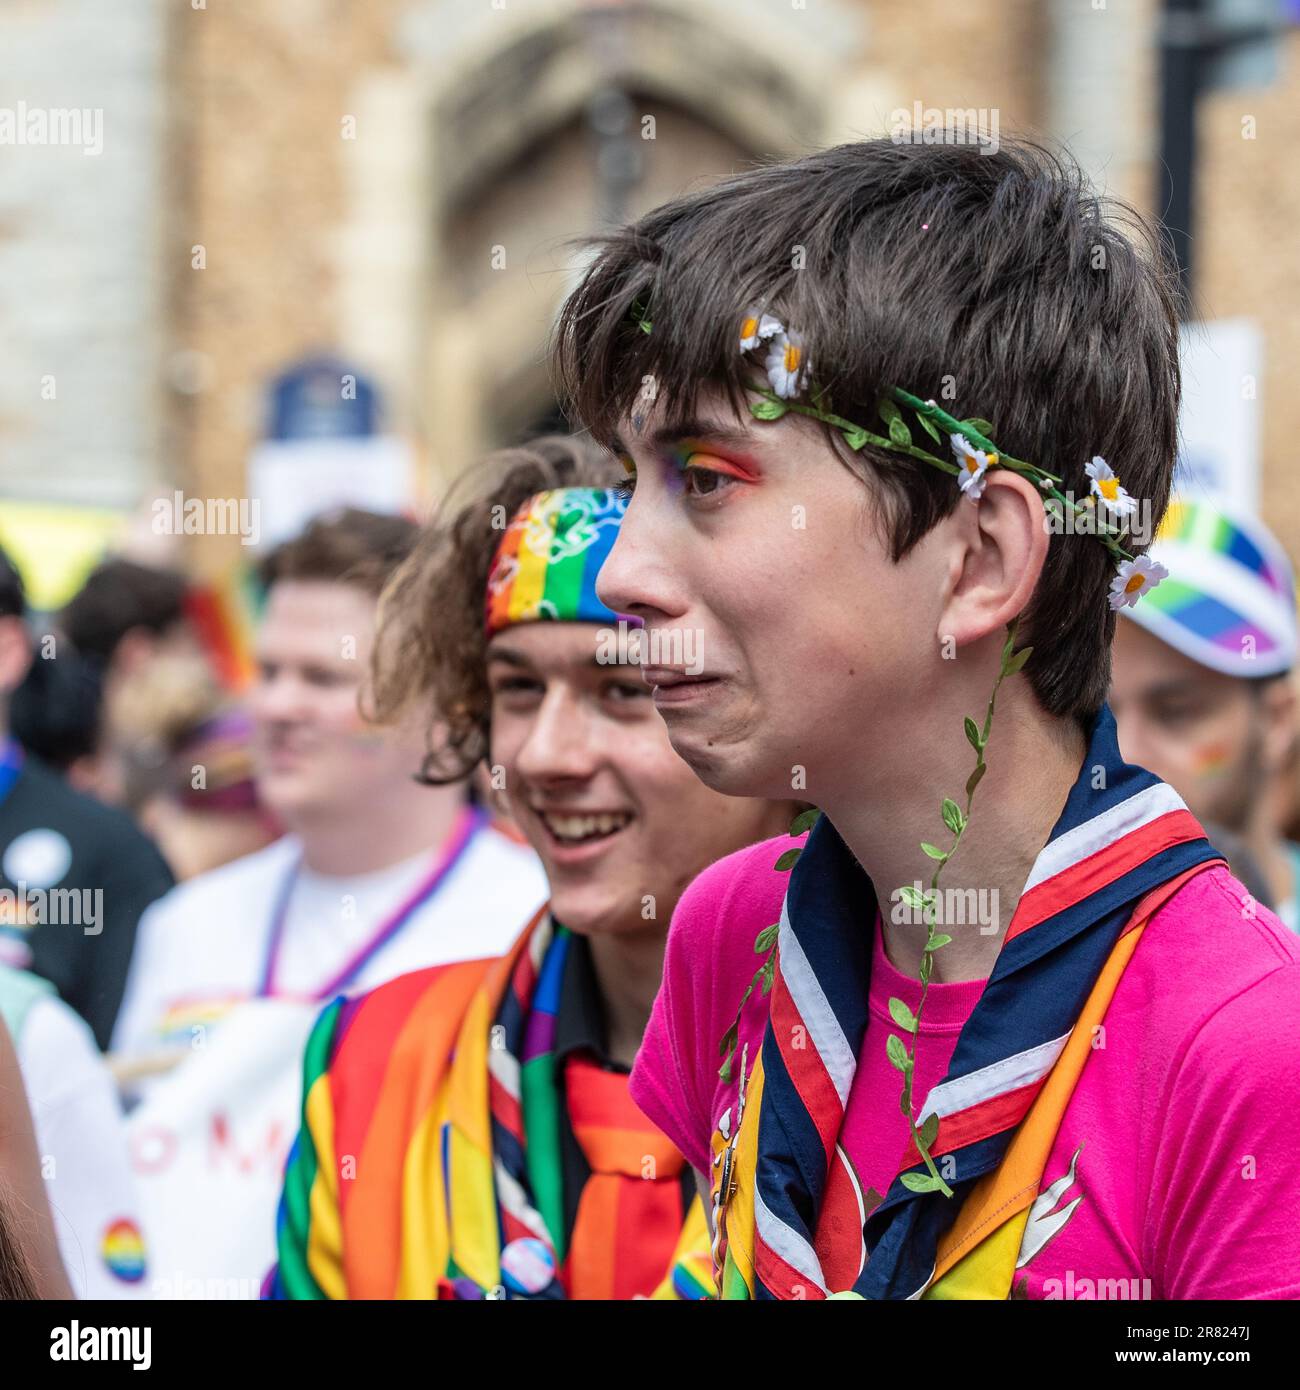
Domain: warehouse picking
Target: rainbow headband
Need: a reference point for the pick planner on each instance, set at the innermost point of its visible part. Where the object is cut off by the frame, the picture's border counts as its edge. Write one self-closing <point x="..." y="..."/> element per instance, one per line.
<point x="546" y="565"/>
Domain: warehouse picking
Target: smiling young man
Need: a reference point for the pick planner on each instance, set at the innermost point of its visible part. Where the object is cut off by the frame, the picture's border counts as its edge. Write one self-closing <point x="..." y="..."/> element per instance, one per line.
<point x="467" y="1130"/>
<point x="1083" y="1093"/>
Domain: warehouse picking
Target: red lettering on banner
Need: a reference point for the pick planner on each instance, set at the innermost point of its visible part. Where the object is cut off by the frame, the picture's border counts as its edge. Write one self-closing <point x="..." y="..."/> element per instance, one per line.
<point x="272" y="1152"/>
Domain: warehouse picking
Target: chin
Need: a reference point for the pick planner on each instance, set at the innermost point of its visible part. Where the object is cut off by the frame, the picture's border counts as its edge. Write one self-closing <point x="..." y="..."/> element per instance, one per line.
<point x="724" y="770"/>
<point x="288" y="800"/>
<point x="589" y="914"/>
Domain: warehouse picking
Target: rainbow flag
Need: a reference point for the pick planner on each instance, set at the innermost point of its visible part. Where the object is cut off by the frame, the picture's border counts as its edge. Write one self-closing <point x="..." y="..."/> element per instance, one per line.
<point x="426" y="1146"/>
<point x="224" y="614"/>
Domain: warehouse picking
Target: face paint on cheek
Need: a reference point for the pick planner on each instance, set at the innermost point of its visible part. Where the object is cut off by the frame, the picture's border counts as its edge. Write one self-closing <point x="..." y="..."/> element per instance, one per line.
<point x="367" y="740"/>
<point x="1211" y="760"/>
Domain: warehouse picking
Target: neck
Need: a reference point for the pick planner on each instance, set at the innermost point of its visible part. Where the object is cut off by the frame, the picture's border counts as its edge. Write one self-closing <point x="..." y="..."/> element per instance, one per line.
<point x="1268" y="849"/>
<point x="1033" y="761"/>
<point x="628" y="968"/>
<point x="376" y="833"/>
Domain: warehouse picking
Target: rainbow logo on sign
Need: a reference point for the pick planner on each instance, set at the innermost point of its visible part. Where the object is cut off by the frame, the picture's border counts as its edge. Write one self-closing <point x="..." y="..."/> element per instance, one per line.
<point x="123" y="1251"/>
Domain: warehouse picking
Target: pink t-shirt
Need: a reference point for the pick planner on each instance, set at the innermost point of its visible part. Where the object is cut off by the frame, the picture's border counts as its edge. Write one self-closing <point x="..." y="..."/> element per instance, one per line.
<point x="1183" y="1130"/>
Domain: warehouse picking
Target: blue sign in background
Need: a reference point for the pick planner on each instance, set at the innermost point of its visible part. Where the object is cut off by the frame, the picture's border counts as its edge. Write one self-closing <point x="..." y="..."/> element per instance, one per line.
<point x="323" y="398"/>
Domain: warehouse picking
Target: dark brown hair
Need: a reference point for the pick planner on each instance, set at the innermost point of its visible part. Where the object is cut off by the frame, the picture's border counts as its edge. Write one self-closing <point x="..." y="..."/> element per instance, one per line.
<point x="16" y="1279"/>
<point x="13" y="599"/>
<point x="118" y="596"/>
<point x="348" y="546"/>
<point x="997" y="283"/>
<point x="430" y="649"/>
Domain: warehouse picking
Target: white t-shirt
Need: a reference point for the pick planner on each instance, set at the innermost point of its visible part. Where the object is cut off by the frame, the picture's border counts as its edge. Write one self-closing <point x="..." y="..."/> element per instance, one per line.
<point x="84" y="1156"/>
<point x="202" y="947"/>
<point x="209" y="1138"/>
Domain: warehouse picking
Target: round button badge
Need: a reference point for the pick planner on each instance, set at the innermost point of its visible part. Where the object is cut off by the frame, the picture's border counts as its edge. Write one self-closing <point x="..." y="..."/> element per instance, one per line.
<point x="37" y="858"/>
<point x="527" y="1265"/>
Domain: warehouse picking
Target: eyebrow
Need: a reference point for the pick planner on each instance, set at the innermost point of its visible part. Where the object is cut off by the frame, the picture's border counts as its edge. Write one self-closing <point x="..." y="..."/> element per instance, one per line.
<point x="507" y="655"/>
<point x="709" y="430"/>
<point x="1163" y="690"/>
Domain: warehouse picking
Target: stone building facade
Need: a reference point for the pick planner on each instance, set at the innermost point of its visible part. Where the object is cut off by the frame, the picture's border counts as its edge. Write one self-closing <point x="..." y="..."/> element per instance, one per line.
<point x="398" y="181"/>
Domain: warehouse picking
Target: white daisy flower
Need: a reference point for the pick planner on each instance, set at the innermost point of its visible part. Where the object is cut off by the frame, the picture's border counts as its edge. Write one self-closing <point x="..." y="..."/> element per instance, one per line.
<point x="1133" y="579"/>
<point x="787" y="367"/>
<point x="1106" y="488"/>
<point x="974" y="464"/>
<point x="756" y="328"/>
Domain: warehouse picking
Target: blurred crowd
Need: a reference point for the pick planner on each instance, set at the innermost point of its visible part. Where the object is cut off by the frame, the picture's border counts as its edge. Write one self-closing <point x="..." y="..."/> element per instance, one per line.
<point x="174" y="850"/>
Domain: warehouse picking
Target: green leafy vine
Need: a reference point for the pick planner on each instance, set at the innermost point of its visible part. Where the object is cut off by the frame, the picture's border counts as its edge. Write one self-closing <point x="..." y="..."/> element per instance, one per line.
<point x="934" y="419"/>
<point x="955" y="819"/>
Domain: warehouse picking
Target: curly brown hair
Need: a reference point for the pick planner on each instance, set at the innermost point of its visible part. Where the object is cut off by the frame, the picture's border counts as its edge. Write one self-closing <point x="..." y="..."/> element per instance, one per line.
<point x="430" y="649"/>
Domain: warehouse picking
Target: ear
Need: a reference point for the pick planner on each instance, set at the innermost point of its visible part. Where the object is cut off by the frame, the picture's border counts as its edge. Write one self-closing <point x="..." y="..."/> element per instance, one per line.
<point x="1279" y="706"/>
<point x="15" y="653"/>
<point x="998" y="552"/>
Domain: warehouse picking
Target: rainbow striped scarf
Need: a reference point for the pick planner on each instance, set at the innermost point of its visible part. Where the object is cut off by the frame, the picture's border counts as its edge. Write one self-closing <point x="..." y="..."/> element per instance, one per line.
<point x="1114" y="856"/>
<point x="430" y="1138"/>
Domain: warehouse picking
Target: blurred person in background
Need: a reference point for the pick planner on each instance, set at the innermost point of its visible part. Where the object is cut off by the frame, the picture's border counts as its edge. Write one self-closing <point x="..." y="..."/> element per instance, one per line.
<point x="125" y="616"/>
<point x="376" y="875"/>
<point x="1201" y="682"/>
<point x="55" y="715"/>
<point x="126" y="613"/>
<point x="80" y="1137"/>
<point x="547" y="1181"/>
<point x="182" y="755"/>
<point x="60" y="851"/>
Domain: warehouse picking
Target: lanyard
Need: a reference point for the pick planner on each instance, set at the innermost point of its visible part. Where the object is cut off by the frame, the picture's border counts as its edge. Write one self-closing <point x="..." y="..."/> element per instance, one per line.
<point x="472" y="819"/>
<point x="11" y="764"/>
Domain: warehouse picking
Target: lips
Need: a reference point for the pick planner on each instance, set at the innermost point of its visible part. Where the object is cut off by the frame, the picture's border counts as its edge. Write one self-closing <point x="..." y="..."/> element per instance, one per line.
<point x="666" y="677"/>
<point x="678" y="689"/>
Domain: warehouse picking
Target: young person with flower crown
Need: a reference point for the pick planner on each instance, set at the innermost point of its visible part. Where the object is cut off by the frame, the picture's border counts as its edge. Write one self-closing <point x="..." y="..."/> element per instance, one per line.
<point x="467" y="1130"/>
<point x="905" y="612"/>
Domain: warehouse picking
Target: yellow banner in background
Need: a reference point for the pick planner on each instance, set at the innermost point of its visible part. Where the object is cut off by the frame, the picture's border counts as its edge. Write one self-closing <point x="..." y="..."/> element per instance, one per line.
<point x="55" y="546"/>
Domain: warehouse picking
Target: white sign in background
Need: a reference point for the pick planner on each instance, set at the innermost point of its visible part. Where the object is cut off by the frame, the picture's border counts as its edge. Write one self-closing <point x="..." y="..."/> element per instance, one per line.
<point x="1218" y="458"/>
<point x="297" y="479"/>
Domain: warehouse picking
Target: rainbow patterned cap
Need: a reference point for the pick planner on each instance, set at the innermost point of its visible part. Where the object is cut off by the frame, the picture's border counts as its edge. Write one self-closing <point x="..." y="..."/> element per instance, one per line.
<point x="548" y="559"/>
<point x="1229" y="601"/>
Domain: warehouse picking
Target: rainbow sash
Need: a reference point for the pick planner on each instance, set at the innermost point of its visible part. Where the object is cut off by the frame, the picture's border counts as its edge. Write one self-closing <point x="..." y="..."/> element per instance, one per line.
<point x="410" y="1174"/>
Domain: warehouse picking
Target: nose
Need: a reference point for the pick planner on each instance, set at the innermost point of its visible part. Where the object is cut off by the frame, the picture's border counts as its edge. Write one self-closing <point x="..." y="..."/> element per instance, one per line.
<point x="278" y="698"/>
<point x="637" y="576"/>
<point x="1131" y="736"/>
<point x="561" y="745"/>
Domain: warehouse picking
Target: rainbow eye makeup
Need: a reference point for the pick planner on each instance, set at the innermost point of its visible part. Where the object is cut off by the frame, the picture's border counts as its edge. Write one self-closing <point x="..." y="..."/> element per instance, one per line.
<point x="694" y="469"/>
<point x="696" y="454"/>
<point x="704" y="473"/>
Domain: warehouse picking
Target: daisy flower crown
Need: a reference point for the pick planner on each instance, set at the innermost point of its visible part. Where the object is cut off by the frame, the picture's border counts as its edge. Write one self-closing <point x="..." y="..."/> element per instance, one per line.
<point x="1105" y="510"/>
